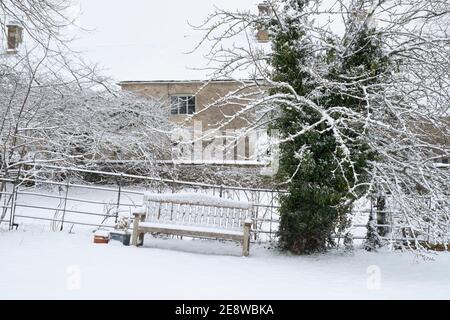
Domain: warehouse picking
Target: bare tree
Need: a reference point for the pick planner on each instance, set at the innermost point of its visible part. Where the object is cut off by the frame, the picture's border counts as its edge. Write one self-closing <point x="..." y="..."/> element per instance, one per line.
<point x="56" y="109"/>
<point x="66" y="125"/>
<point x="406" y="111"/>
<point x="50" y="95"/>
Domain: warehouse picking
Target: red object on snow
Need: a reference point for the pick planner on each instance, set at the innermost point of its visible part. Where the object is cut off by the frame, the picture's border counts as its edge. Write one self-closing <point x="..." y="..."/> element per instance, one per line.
<point x="101" y="239"/>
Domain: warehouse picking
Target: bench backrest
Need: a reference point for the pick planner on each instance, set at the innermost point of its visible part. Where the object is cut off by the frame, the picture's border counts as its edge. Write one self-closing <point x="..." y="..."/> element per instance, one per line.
<point x="197" y="209"/>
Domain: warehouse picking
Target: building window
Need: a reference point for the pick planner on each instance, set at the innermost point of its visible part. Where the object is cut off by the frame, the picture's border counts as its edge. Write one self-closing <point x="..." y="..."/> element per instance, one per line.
<point x="445" y="160"/>
<point x="182" y="104"/>
<point x="15" y="31"/>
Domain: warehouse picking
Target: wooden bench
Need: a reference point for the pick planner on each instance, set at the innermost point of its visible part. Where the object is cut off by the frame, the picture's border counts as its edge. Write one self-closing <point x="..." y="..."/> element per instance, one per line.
<point x="193" y="215"/>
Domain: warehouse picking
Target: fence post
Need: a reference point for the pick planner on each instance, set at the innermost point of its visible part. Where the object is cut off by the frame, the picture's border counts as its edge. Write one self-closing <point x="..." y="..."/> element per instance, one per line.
<point x="221" y="191"/>
<point x="161" y="185"/>
<point x="118" y="197"/>
<point x="256" y="198"/>
<point x="13" y="206"/>
<point x="271" y="214"/>
<point x="173" y="184"/>
<point x="3" y="197"/>
<point x="65" y="201"/>
<point x="430" y="207"/>
<point x="381" y="215"/>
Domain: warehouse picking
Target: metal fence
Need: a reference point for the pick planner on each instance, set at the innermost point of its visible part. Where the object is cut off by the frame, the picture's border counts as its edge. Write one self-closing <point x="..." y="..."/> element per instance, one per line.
<point x="70" y="202"/>
<point x="65" y="204"/>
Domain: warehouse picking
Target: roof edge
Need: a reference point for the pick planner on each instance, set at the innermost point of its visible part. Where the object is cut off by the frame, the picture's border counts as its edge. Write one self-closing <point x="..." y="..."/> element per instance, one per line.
<point x="182" y="81"/>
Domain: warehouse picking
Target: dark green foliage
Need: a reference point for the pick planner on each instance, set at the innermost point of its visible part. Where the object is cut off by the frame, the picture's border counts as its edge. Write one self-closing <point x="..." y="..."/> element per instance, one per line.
<point x="319" y="201"/>
<point x="372" y="241"/>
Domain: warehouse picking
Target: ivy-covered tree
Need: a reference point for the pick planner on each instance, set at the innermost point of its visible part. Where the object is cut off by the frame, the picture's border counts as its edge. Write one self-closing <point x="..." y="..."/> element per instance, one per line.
<point x="307" y="214"/>
<point x="360" y="74"/>
<point x="372" y="240"/>
<point x="323" y="179"/>
<point x="356" y="113"/>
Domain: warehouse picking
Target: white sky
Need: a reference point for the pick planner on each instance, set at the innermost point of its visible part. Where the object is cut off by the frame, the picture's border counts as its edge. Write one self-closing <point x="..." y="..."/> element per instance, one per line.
<point x="146" y="39"/>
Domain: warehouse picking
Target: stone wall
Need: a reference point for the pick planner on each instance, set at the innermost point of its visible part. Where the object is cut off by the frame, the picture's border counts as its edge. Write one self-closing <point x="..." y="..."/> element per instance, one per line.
<point x="205" y="95"/>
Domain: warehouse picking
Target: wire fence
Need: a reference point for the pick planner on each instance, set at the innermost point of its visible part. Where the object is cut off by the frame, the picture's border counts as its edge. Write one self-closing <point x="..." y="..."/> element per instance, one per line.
<point x="65" y="204"/>
<point x="57" y="196"/>
<point x="68" y="202"/>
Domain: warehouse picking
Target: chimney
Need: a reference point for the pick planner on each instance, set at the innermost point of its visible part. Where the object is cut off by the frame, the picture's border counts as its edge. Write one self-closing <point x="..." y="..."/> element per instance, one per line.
<point x="14" y="36"/>
<point x="265" y="11"/>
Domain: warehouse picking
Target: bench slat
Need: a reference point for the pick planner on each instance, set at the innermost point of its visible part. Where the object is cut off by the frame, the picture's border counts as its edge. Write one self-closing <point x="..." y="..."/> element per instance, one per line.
<point x="199" y="218"/>
<point x="219" y="217"/>
<point x="190" y="231"/>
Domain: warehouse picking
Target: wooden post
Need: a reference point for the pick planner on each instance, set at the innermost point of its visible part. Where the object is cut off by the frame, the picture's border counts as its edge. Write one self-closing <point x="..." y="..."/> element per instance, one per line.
<point x="136" y="238"/>
<point x="271" y="215"/>
<point x="13" y="206"/>
<point x="65" y="201"/>
<point x="246" y="241"/>
<point x="381" y="215"/>
<point x="119" y="182"/>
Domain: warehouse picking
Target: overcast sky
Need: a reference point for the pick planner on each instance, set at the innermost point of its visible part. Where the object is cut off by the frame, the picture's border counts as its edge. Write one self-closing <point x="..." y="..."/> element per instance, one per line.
<point x="146" y="40"/>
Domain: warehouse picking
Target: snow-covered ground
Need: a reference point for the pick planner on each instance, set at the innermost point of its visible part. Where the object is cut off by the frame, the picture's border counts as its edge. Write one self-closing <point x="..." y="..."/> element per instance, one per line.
<point x="38" y="263"/>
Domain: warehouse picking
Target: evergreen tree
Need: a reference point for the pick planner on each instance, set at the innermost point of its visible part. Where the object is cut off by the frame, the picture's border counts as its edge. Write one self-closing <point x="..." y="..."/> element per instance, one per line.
<point x="320" y="175"/>
<point x="372" y="240"/>
<point x="307" y="213"/>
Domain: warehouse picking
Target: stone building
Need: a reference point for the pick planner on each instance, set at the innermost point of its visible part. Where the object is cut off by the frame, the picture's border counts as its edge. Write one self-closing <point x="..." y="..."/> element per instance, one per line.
<point x="193" y="104"/>
<point x="184" y="98"/>
<point x="196" y="105"/>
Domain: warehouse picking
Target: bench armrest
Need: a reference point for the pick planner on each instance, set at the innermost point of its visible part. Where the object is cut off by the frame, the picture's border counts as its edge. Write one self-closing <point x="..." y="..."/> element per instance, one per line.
<point x="139" y="216"/>
<point x="140" y="213"/>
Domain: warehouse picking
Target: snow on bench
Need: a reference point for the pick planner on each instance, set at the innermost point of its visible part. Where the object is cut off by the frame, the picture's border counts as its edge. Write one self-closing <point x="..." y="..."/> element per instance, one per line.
<point x="196" y="199"/>
<point x="193" y="215"/>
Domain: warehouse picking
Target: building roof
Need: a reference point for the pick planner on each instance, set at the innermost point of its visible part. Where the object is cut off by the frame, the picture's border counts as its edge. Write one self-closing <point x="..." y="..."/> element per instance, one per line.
<point x="182" y="81"/>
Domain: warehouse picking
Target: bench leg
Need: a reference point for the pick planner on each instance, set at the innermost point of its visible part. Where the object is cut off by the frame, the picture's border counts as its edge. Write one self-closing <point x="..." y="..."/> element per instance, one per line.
<point x="246" y="240"/>
<point x="137" y="238"/>
<point x="135" y="235"/>
<point x="134" y="238"/>
<point x="141" y="239"/>
<point x="245" y="247"/>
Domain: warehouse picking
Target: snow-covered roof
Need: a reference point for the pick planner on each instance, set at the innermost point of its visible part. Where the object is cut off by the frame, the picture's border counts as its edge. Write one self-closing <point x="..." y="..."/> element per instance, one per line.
<point x="13" y="23"/>
<point x="179" y="81"/>
<point x="196" y="199"/>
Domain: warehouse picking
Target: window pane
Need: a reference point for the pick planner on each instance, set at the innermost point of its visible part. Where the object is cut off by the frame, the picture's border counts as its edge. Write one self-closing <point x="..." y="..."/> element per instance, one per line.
<point x="191" y="105"/>
<point x="174" y="105"/>
<point x="183" y="105"/>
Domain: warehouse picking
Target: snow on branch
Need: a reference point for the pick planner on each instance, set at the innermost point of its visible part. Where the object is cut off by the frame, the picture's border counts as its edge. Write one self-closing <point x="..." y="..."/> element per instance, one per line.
<point x="404" y="109"/>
